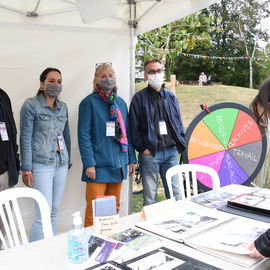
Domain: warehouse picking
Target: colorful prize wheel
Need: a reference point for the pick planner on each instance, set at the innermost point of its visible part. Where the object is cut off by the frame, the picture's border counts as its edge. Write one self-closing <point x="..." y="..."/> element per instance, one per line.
<point x="228" y="140"/>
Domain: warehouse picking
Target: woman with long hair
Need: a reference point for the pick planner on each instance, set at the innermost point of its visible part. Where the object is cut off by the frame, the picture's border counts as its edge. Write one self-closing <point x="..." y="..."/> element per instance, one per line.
<point x="261" y="111"/>
<point x="45" y="146"/>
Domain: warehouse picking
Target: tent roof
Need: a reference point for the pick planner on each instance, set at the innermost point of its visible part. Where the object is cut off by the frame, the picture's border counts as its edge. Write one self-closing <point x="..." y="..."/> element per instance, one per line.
<point x="109" y="14"/>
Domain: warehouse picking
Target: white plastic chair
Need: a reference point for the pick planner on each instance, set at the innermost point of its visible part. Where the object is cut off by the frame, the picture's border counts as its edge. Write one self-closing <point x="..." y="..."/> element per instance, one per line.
<point x="12" y="219"/>
<point x="183" y="171"/>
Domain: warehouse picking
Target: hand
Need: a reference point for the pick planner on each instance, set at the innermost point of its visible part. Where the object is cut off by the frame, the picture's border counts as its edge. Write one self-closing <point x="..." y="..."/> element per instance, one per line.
<point x="131" y="169"/>
<point x="91" y="172"/>
<point x="146" y="152"/>
<point x="255" y="253"/>
<point x="28" y="180"/>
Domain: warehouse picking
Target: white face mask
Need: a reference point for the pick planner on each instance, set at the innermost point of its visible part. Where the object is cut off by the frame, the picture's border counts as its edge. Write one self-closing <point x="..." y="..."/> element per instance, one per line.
<point x="156" y="80"/>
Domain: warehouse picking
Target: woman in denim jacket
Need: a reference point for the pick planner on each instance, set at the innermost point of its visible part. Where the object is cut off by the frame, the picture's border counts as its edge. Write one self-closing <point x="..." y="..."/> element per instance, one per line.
<point x="45" y="146"/>
<point x="103" y="135"/>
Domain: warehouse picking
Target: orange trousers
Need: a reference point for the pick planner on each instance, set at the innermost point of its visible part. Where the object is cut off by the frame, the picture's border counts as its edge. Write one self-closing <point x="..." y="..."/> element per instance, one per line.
<point x="100" y="189"/>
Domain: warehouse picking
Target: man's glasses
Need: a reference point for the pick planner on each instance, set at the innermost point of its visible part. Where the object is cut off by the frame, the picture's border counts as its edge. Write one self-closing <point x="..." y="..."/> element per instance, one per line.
<point x="105" y="63"/>
<point x="152" y="71"/>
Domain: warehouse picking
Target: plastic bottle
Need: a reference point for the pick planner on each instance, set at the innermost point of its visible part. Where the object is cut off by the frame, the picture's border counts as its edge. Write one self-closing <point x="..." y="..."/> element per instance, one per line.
<point x="77" y="241"/>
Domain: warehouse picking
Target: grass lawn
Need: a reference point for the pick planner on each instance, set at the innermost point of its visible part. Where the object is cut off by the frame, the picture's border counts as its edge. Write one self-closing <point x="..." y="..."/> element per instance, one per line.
<point x="190" y="97"/>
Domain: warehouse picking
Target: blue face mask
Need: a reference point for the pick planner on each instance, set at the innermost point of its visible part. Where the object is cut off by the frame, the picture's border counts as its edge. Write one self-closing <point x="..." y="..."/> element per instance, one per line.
<point x="53" y="90"/>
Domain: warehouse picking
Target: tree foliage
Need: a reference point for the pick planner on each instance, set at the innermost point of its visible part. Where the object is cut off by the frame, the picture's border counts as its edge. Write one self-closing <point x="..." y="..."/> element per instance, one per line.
<point x="230" y="28"/>
<point x="168" y="41"/>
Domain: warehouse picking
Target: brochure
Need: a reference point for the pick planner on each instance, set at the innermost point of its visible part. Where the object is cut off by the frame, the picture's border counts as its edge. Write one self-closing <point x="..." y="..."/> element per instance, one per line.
<point x="101" y="250"/>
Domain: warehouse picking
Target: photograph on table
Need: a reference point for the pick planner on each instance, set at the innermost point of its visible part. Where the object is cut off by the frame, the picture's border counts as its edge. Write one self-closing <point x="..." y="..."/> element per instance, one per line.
<point x="166" y="259"/>
<point x="109" y="266"/>
<point x="213" y="198"/>
<point x="191" y="220"/>
<point x="136" y="239"/>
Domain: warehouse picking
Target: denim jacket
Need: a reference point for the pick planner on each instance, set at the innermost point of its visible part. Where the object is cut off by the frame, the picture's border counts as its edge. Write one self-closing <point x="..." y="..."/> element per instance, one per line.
<point x="40" y="127"/>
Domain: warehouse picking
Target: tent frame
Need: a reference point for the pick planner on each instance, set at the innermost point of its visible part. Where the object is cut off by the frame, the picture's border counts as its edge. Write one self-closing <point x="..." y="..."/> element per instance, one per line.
<point x="34" y="13"/>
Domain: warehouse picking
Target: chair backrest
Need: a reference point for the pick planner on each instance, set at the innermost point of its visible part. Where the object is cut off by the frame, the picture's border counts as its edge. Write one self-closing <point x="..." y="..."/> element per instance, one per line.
<point x="11" y="216"/>
<point x="188" y="178"/>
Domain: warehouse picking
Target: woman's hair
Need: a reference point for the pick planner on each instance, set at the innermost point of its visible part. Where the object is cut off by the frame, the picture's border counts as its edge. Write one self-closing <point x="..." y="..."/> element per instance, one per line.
<point x="99" y="69"/>
<point x="262" y="98"/>
<point x="253" y="106"/>
<point x="44" y="74"/>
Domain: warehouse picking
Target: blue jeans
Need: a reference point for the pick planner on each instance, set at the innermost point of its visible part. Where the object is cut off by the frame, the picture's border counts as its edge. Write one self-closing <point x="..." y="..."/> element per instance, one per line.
<point x="50" y="180"/>
<point x="151" y="167"/>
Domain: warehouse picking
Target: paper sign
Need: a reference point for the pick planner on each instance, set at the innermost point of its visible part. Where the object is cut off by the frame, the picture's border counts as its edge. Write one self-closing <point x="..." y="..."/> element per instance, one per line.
<point x="106" y="225"/>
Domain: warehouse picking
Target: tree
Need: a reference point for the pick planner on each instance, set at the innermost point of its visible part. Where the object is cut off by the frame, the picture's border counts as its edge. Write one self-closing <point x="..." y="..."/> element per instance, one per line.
<point x="168" y="41"/>
<point x="227" y="41"/>
<point x="249" y="15"/>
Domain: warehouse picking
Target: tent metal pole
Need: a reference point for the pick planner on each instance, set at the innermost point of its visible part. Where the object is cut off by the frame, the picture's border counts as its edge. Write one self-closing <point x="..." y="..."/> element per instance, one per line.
<point x="132" y="24"/>
<point x="13" y="9"/>
<point x="38" y="2"/>
<point x="120" y="19"/>
<point x="58" y="11"/>
<point x="70" y="2"/>
<point x="149" y="9"/>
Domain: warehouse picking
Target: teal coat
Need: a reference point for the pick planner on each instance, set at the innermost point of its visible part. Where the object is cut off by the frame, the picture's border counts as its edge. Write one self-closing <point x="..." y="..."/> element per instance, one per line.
<point x="96" y="148"/>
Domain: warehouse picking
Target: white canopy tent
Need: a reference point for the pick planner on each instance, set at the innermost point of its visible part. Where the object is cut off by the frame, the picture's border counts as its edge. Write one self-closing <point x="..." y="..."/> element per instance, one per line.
<point x="73" y="36"/>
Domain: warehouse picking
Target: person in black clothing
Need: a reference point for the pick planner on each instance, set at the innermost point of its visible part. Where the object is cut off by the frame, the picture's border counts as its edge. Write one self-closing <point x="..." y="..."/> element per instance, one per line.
<point x="157" y="132"/>
<point x="9" y="157"/>
<point x="261" y="246"/>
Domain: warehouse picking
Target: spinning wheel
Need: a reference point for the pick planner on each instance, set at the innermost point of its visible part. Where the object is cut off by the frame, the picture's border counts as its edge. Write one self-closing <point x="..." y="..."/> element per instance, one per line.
<point x="227" y="139"/>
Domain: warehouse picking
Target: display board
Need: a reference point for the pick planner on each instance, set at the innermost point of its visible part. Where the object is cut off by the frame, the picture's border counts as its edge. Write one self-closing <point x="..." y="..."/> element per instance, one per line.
<point x="227" y="138"/>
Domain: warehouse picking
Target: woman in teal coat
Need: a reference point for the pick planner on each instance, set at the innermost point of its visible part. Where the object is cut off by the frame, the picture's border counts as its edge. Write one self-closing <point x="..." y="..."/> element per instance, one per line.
<point x="103" y="136"/>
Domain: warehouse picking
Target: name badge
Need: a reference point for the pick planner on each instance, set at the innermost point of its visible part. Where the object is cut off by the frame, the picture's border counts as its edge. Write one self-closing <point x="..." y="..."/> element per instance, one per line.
<point x="162" y="128"/>
<point x="110" y="128"/>
<point x="3" y="131"/>
<point x="61" y="142"/>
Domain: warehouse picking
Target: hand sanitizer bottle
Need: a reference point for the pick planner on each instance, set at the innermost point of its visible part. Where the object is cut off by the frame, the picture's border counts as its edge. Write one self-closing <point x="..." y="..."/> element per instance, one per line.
<point x="77" y="241"/>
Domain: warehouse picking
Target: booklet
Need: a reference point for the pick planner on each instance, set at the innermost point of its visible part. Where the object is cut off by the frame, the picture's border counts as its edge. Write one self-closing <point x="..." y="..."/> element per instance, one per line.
<point x="213" y="198"/>
<point x="105" y="217"/>
<point x="253" y="202"/>
<point x="208" y="230"/>
<point x="166" y="259"/>
<point x="230" y="240"/>
<point x="177" y="224"/>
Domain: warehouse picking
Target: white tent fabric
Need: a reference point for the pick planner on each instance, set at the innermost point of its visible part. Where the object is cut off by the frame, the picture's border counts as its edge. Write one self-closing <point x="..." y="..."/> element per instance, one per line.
<point x="57" y="37"/>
